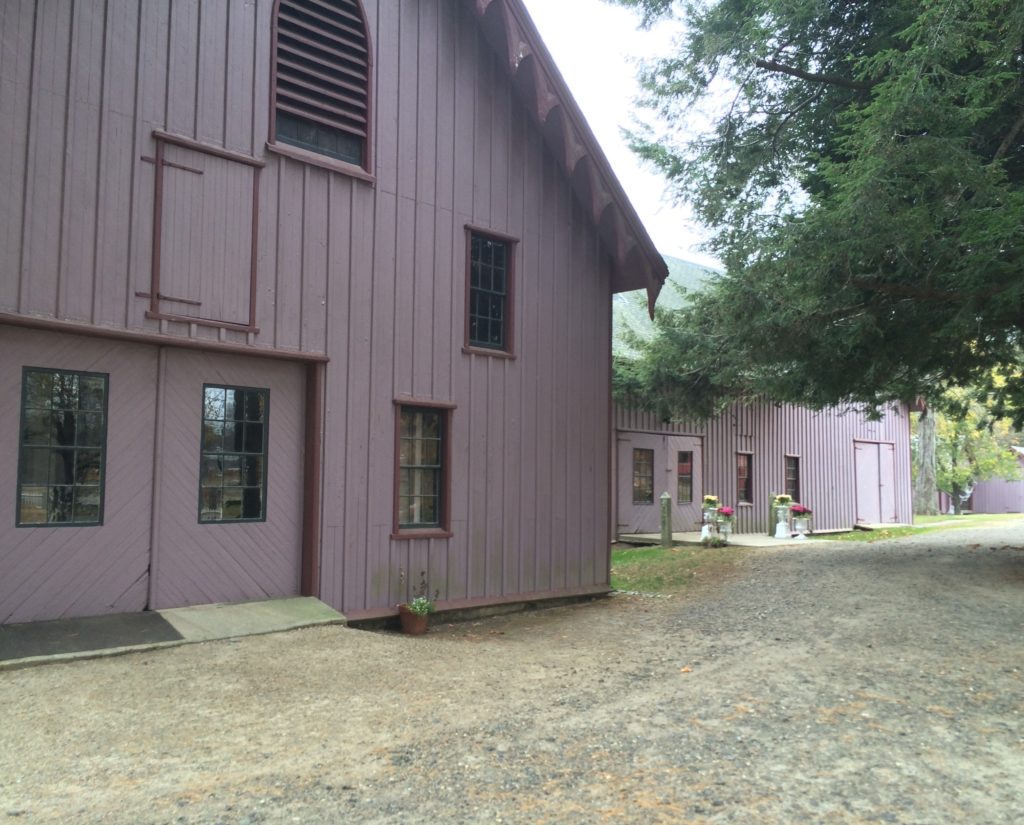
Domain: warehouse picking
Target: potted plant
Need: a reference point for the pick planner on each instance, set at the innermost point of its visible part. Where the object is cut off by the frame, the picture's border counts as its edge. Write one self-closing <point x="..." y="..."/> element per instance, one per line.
<point x="709" y="523"/>
<point x="781" y="503"/>
<point x="413" y="614"/>
<point x="724" y="519"/>
<point x="801" y="519"/>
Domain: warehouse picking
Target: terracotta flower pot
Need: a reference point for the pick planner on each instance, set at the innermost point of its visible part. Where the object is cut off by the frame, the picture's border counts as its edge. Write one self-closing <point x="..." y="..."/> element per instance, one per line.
<point x="412" y="623"/>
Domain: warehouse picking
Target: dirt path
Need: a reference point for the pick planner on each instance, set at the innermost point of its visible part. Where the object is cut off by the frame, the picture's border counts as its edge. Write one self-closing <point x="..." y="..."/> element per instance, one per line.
<point x="838" y="683"/>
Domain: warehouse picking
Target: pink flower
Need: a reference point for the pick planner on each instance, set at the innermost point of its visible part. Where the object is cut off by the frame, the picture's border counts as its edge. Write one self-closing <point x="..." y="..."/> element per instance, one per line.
<point x="725" y="511"/>
<point x="800" y="510"/>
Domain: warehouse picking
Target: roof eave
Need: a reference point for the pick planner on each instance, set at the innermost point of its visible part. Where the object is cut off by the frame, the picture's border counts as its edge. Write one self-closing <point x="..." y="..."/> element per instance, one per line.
<point x="512" y="33"/>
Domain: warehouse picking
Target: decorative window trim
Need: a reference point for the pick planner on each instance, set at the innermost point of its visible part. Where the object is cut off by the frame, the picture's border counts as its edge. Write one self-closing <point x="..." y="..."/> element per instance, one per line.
<point x="785" y="480"/>
<point x="264" y="454"/>
<point x="447" y="411"/>
<point x="650" y="453"/>
<point x="363" y="170"/>
<point x="746" y="496"/>
<point x="680" y="476"/>
<point x="323" y="161"/>
<point x="512" y="247"/>
<point x="101" y="448"/>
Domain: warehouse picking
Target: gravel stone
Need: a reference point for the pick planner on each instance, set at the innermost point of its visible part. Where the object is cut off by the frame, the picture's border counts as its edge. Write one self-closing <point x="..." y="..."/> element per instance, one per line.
<point x="827" y="682"/>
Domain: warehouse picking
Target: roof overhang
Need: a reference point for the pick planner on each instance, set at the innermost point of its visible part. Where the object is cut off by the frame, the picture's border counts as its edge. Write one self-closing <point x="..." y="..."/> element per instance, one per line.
<point x="636" y="263"/>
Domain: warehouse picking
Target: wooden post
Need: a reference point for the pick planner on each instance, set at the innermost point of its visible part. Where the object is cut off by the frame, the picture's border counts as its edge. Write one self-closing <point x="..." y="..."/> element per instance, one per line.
<point x="666" y="520"/>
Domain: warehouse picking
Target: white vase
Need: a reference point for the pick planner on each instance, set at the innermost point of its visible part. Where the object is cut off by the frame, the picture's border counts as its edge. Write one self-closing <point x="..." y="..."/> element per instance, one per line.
<point x="782" y="522"/>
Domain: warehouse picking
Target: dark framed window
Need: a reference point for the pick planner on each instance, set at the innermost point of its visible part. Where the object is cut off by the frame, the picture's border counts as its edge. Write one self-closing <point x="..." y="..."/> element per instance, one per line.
<point x="643" y="476"/>
<point x="489" y="292"/>
<point x="423" y="459"/>
<point x="793" y="477"/>
<point x="233" y="457"/>
<point x="684" y="477"/>
<point x="62" y="448"/>
<point x="322" y="75"/>
<point x="744" y="478"/>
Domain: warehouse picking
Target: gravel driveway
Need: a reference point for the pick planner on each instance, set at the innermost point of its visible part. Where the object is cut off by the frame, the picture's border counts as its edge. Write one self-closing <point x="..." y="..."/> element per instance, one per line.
<point x="838" y="683"/>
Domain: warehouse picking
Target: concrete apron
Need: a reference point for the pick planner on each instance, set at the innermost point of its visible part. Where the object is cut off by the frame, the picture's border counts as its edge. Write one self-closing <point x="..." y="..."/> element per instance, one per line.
<point x="64" y="640"/>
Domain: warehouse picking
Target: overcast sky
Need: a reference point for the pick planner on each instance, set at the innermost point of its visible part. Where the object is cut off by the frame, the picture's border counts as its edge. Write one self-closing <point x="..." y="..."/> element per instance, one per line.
<point x="596" y="46"/>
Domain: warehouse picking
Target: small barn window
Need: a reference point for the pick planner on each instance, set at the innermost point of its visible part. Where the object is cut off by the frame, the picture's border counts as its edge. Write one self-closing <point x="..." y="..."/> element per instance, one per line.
<point x="62" y="462"/>
<point x="643" y="476"/>
<point x="793" y="477"/>
<point x="321" y="85"/>
<point x="489" y="295"/>
<point x="744" y="478"/>
<point x="423" y="460"/>
<point x="684" y="480"/>
<point x="233" y="463"/>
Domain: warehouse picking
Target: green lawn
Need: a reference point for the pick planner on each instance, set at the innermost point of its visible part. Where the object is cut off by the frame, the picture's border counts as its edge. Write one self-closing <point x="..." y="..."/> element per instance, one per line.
<point x="667" y="570"/>
<point x="925" y="524"/>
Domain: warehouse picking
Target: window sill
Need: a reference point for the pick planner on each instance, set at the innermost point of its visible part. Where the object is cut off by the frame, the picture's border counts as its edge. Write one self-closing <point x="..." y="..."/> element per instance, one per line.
<point x="421" y="533"/>
<point x="492" y="353"/>
<point x="324" y="162"/>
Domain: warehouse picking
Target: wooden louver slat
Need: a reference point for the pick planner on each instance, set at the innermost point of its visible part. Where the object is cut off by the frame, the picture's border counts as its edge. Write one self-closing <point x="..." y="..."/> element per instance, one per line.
<point x="322" y="64"/>
<point x="344" y="34"/>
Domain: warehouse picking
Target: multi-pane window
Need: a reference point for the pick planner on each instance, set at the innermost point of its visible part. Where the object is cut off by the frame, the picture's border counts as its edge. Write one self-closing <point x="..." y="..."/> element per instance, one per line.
<point x="421" y="458"/>
<point x="490" y="280"/>
<point x="744" y="478"/>
<point x="684" y="478"/>
<point x="643" y="476"/>
<point x="63" y="435"/>
<point x="322" y="78"/>
<point x="793" y="477"/>
<point x="233" y="464"/>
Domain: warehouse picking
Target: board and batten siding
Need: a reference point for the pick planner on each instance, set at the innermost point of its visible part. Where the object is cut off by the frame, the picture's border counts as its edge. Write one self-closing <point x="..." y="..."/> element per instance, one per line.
<point x="824" y="441"/>
<point x="530" y="468"/>
<point x="369" y="275"/>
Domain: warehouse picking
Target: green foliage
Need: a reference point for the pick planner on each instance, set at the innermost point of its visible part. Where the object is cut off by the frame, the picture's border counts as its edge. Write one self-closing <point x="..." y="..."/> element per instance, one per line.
<point x="421" y="604"/>
<point x="669" y="569"/>
<point x="863" y="175"/>
<point x="971" y="446"/>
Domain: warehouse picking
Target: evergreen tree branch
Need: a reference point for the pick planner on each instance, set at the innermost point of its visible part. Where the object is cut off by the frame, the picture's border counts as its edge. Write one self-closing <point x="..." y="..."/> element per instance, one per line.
<point x="828" y="79"/>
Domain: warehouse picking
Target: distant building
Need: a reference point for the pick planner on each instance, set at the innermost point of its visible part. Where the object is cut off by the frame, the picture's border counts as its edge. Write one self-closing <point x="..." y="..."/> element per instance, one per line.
<point x="847" y="468"/>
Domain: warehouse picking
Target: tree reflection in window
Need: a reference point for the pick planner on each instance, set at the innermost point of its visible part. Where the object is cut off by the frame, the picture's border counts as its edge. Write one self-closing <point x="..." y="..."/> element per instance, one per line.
<point x="62" y="442"/>
<point x="233" y="468"/>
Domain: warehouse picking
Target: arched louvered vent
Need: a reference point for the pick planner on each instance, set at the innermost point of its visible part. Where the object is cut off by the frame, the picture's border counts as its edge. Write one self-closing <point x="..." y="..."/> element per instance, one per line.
<point x="322" y="78"/>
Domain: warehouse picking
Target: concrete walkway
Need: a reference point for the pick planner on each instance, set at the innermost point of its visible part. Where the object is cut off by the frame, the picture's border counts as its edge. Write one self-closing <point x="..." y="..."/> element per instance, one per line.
<point x="33" y="643"/>
<point x="736" y="540"/>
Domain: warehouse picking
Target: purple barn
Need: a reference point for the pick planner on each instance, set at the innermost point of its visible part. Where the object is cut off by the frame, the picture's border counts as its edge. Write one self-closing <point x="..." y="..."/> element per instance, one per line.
<point x="301" y="297"/>
<point x="850" y="470"/>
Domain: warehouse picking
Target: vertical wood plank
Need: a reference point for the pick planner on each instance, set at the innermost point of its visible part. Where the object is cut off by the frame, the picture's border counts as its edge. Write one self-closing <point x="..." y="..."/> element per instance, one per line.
<point x="116" y="164"/>
<point x="151" y="107"/>
<point x="42" y="225"/>
<point x="17" y="44"/>
<point x="214" y="68"/>
<point x="182" y="67"/>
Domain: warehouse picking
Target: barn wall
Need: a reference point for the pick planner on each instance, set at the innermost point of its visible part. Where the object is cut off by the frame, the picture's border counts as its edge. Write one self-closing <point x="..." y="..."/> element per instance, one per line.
<point x="47" y="572"/>
<point x="824" y="442"/>
<point x="369" y="274"/>
<point x="531" y="467"/>
<point x="998" y="496"/>
<point x="85" y="85"/>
